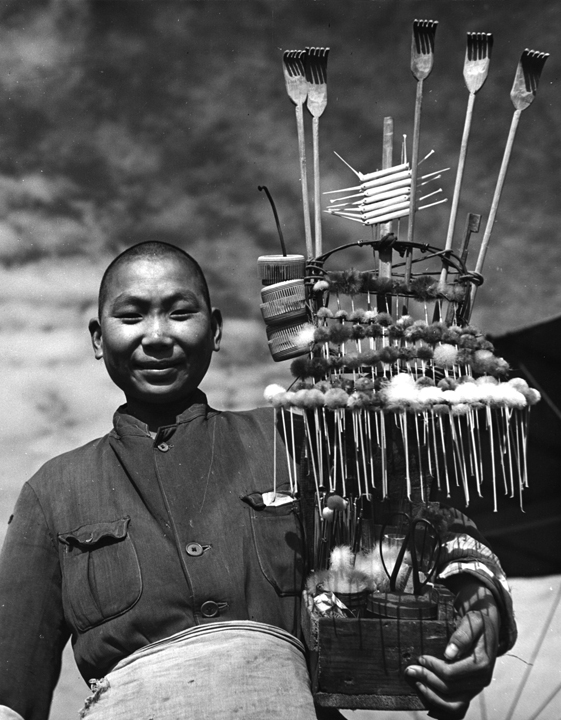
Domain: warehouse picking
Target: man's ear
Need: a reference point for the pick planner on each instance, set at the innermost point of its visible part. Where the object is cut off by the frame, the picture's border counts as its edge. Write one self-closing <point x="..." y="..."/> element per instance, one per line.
<point x="216" y="324"/>
<point x="97" y="342"/>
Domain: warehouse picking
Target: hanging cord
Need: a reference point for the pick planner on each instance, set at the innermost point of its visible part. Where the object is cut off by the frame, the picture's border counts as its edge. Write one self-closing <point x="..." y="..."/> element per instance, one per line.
<point x="281" y="238"/>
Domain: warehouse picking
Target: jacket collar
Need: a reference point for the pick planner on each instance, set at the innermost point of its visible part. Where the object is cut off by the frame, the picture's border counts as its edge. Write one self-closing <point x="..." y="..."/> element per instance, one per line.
<point x="125" y="424"/>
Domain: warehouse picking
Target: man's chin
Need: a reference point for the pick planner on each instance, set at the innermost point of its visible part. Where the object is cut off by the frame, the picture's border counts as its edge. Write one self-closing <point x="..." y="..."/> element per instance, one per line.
<point x="161" y="395"/>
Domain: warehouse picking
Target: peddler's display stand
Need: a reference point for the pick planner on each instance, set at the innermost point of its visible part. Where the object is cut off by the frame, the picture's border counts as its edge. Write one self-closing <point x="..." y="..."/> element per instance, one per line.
<point x="399" y="396"/>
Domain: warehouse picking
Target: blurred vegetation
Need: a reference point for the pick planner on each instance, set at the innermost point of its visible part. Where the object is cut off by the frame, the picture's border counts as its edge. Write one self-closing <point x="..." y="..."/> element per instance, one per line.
<point x="129" y="120"/>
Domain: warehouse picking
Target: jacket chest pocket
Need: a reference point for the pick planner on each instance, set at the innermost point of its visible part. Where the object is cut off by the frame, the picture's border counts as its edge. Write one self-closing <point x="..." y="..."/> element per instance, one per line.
<point x="101" y="572"/>
<point x="279" y="543"/>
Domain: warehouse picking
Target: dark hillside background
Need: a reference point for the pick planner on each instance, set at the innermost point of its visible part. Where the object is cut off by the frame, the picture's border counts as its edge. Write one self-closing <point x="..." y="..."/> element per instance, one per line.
<point x="122" y="121"/>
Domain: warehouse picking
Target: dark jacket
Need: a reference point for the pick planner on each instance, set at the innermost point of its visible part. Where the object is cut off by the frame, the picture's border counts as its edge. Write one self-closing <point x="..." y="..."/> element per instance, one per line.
<point x="130" y="539"/>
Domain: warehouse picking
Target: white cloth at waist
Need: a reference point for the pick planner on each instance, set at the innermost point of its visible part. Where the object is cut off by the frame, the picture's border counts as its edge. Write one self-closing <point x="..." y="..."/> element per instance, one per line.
<point x="238" y="669"/>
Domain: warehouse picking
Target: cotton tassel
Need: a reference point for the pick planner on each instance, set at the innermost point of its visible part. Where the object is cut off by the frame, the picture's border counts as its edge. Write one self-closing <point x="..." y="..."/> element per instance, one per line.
<point x="363" y="453"/>
<point x="474" y="452"/>
<point x="319" y="445"/>
<point x="340" y="420"/>
<point x="275" y="431"/>
<point x="420" y="459"/>
<point x="405" y="438"/>
<point x="445" y="464"/>
<point x="357" y="449"/>
<point x="435" y="450"/>
<point x="291" y="479"/>
<point x="314" y="468"/>
<point x="370" y="448"/>
<point x="492" y="441"/>
<point x="293" y="438"/>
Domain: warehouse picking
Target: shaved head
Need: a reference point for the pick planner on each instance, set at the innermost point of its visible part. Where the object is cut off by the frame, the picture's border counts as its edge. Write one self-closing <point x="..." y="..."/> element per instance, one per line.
<point x="152" y="250"/>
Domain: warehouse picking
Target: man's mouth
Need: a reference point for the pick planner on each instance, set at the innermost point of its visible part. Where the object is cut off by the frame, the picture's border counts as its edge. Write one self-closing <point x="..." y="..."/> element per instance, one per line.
<point x="158" y="367"/>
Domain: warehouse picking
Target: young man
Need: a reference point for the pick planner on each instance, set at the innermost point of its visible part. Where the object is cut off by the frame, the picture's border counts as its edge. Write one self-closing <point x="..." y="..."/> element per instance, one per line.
<point x="153" y="549"/>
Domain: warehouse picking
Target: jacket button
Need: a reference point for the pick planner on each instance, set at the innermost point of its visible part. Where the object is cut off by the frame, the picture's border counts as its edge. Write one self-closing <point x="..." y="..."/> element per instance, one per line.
<point x="210" y="609"/>
<point x="194" y="549"/>
<point x="163" y="446"/>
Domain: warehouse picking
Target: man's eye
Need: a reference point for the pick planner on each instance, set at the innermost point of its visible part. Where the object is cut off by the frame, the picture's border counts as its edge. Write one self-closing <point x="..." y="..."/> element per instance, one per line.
<point x="129" y="317"/>
<point x="181" y="313"/>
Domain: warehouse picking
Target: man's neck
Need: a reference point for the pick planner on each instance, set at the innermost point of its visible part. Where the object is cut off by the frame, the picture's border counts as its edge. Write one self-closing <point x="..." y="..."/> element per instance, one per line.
<point x="155" y="415"/>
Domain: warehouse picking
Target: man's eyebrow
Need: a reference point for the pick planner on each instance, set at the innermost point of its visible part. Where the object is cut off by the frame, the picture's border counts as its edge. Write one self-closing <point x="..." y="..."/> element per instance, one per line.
<point x="131" y="297"/>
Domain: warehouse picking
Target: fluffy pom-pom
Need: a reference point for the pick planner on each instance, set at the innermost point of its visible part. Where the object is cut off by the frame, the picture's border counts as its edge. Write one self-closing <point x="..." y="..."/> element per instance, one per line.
<point x="305" y="336"/>
<point x="299" y="398"/>
<point x="284" y="400"/>
<point x="374" y="330"/>
<point x="416" y="331"/>
<point x="445" y="355"/>
<point x="358" y="332"/>
<point x="336" y="398"/>
<point x="406" y="353"/>
<point x="424" y="381"/>
<point x="384" y="319"/>
<point x="272" y="391"/>
<point x="314" y="399"/>
<point x="401" y="393"/>
<point x="357" y="315"/>
<point x="336" y="502"/>
<point x="324" y="313"/>
<point x="424" y="287"/>
<point x="405" y="321"/>
<point x="352" y="362"/>
<point x="430" y="395"/>
<point x="340" y="334"/>
<point x="469" y="342"/>
<point x="433" y="333"/>
<point x="370" y="315"/>
<point x="454" y="292"/>
<point x="447" y="383"/>
<point x="341" y="556"/>
<point x="464" y="356"/>
<point x="532" y="396"/>
<point x="321" y="285"/>
<point x="299" y="367"/>
<point x="369" y="357"/>
<point x="341" y="315"/>
<point x="519" y="384"/>
<point x="424" y="352"/>
<point x="389" y="354"/>
<point x="321" y="334"/>
<point x="364" y="384"/>
<point x="396" y="331"/>
<point x="441" y="409"/>
<point x="451" y="334"/>
<point x="318" y="367"/>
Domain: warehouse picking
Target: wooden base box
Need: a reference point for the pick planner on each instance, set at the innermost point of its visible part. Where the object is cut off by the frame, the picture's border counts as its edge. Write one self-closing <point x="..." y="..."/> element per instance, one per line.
<point x="359" y="662"/>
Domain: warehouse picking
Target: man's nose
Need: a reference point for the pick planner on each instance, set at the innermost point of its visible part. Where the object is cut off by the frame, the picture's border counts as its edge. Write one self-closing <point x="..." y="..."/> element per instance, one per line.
<point x="156" y="333"/>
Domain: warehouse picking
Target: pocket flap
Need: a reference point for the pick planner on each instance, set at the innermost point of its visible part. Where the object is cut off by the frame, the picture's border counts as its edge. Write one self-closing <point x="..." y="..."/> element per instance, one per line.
<point x="88" y="535"/>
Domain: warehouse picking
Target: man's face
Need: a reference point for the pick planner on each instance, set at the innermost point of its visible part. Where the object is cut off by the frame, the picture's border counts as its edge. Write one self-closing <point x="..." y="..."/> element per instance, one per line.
<point x="156" y="333"/>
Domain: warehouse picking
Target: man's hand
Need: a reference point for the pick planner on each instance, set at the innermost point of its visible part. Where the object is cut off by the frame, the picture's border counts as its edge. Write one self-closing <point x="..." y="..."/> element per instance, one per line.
<point x="448" y="686"/>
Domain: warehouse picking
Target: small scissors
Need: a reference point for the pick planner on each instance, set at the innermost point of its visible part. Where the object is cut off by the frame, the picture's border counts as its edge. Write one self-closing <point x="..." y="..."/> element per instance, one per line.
<point x="424" y="545"/>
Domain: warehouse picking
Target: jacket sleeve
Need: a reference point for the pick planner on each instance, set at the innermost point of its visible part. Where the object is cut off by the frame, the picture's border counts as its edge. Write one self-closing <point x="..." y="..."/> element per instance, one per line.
<point x="32" y="628"/>
<point x="464" y="550"/>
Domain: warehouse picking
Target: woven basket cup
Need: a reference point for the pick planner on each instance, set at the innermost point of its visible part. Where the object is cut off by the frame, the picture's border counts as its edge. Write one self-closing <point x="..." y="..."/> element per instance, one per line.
<point x="277" y="268"/>
<point x="284" y="342"/>
<point x="284" y="302"/>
